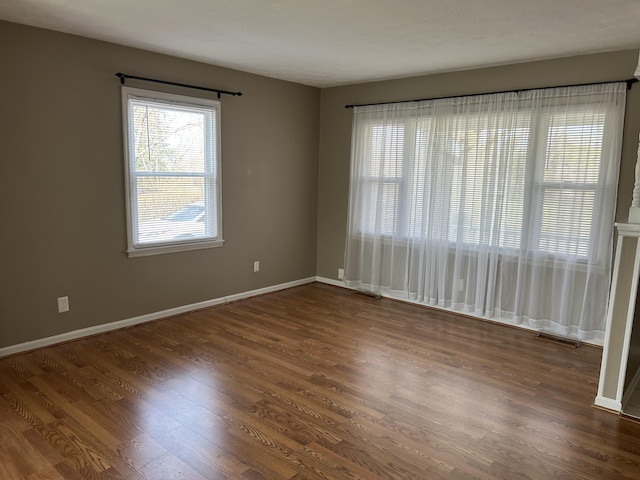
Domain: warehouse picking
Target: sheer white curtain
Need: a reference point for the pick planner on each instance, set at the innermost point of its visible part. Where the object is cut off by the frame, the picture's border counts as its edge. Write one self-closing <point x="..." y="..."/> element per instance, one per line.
<point x="500" y="206"/>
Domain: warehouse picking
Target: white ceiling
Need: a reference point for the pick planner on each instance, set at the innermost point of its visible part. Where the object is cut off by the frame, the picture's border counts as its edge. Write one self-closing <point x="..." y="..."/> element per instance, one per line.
<point x="336" y="42"/>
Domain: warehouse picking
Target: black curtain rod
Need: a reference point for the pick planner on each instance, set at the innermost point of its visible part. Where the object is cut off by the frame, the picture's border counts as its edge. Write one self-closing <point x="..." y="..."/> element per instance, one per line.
<point x="123" y="77"/>
<point x="629" y="83"/>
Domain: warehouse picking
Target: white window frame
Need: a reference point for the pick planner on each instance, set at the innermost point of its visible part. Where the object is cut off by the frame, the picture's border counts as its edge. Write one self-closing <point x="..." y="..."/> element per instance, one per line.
<point x="213" y="206"/>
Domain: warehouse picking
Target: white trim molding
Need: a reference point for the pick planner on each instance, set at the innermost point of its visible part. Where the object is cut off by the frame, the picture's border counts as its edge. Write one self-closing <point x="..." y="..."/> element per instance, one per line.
<point x="620" y="316"/>
<point x="107" y="327"/>
<point x="331" y="281"/>
<point x="608" y="404"/>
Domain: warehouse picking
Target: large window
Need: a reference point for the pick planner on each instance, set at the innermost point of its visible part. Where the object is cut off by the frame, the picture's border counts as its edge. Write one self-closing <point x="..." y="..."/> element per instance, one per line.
<point x="172" y="154"/>
<point x="498" y="205"/>
<point x="478" y="179"/>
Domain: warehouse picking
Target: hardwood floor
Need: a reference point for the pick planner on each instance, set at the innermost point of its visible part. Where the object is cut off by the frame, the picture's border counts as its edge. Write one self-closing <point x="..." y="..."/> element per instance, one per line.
<point x="315" y="382"/>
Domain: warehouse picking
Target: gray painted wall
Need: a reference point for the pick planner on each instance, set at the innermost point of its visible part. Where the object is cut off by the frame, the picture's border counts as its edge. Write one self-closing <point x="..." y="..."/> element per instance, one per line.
<point x="62" y="203"/>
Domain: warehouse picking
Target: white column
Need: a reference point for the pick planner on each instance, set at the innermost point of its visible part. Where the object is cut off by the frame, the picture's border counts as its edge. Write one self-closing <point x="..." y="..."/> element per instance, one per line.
<point x="634" y="210"/>
<point x="620" y="315"/>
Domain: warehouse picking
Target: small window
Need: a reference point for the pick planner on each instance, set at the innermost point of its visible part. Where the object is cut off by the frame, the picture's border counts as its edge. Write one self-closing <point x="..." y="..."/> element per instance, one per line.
<point x="172" y="165"/>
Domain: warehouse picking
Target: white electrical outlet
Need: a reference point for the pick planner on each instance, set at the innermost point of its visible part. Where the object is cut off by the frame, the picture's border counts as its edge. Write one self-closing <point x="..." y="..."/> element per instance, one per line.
<point x="341" y="273"/>
<point x="63" y="304"/>
<point x="256" y="266"/>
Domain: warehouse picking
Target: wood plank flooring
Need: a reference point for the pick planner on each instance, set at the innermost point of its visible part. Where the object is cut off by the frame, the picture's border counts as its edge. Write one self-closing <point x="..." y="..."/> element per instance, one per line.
<point x="314" y="382"/>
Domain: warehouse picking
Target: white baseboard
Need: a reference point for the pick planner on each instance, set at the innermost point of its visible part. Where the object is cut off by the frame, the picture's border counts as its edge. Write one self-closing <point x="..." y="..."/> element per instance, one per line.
<point x="608" y="404"/>
<point x="86" y="332"/>
<point x="331" y="281"/>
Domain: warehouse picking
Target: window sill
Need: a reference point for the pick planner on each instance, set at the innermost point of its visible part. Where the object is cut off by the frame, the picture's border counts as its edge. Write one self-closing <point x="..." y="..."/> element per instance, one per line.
<point x="160" y="249"/>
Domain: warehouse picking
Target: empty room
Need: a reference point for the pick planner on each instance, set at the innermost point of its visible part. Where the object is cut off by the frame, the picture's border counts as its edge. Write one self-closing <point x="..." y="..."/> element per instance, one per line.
<point x="319" y="240"/>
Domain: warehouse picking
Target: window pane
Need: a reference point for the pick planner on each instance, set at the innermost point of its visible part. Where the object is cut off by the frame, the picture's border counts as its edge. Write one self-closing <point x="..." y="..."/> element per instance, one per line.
<point x="171" y="209"/>
<point x="488" y="181"/>
<point x="387" y="142"/>
<point x="569" y="175"/>
<point x="574" y="147"/>
<point x="381" y="200"/>
<point x="566" y="221"/>
<point x="170" y="139"/>
<point x="420" y="177"/>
